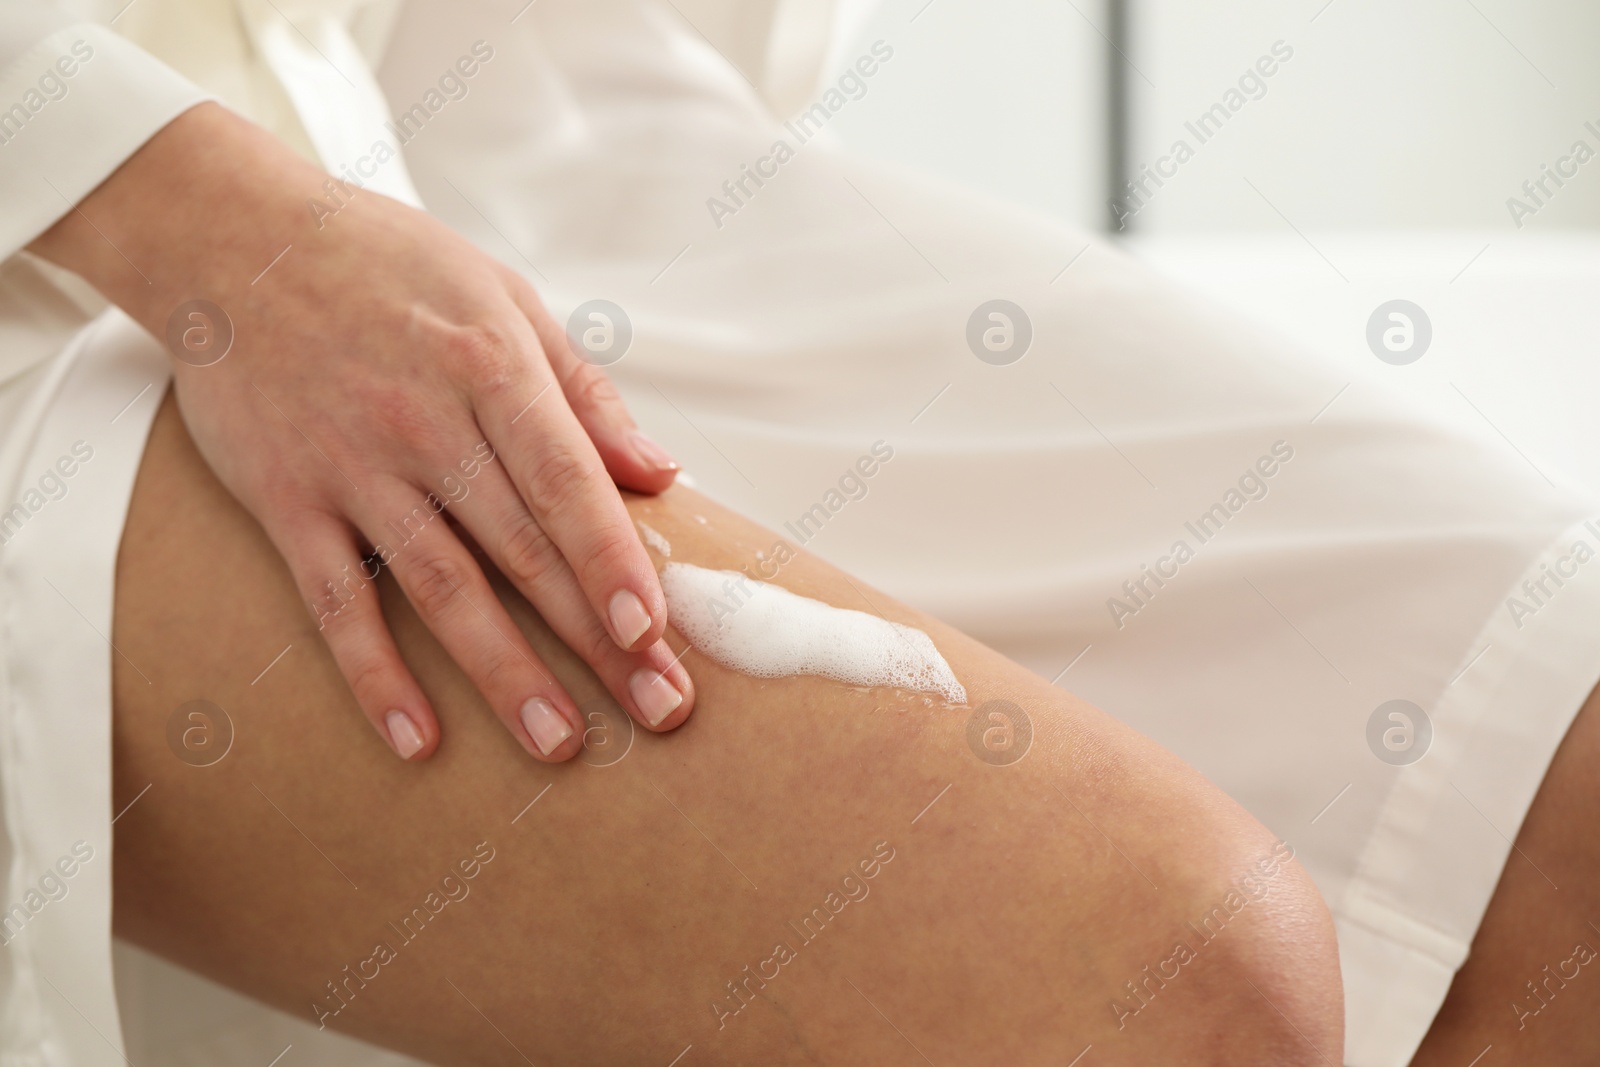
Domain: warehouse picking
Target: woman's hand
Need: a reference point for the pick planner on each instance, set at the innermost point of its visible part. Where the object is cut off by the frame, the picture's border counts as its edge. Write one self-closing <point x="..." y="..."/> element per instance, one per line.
<point x="389" y="386"/>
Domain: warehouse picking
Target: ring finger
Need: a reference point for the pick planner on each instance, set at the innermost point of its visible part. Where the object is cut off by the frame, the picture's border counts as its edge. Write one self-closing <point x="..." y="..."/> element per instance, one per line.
<point x="651" y="684"/>
<point x="454" y="600"/>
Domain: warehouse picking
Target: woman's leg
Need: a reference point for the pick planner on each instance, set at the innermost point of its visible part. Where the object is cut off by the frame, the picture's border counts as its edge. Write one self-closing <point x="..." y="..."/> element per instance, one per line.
<point x="805" y="872"/>
<point x="1530" y="991"/>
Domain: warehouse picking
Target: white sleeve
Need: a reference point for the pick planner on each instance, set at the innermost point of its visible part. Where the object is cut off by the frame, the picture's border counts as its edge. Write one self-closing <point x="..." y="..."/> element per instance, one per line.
<point x="76" y="99"/>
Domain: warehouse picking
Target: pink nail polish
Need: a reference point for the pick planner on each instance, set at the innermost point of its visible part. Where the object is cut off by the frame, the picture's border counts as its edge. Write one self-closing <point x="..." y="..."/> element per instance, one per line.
<point x="629" y="620"/>
<point x="403" y="734"/>
<point x="654" y="695"/>
<point x="545" y="725"/>
<point x="652" y="454"/>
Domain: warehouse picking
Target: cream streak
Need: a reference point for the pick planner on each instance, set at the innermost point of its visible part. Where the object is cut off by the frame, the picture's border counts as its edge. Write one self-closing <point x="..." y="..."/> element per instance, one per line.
<point x="769" y="632"/>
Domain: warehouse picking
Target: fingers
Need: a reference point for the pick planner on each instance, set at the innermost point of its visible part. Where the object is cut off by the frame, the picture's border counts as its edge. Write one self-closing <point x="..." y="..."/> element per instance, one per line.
<point x="651" y="684"/>
<point x="453" y="599"/>
<point x="632" y="458"/>
<point x="338" y="586"/>
<point x="557" y="472"/>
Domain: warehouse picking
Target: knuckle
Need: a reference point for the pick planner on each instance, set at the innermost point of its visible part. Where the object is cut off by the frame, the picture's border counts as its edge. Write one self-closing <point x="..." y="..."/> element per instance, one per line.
<point x="528" y="553"/>
<point x="338" y="601"/>
<point x="483" y="355"/>
<point x="609" y="552"/>
<point x="434" y="582"/>
<point x="563" y="479"/>
<point x="593" y="388"/>
<point x="328" y="609"/>
<point x="404" y="414"/>
<point x="369" y="680"/>
<point x="504" y="671"/>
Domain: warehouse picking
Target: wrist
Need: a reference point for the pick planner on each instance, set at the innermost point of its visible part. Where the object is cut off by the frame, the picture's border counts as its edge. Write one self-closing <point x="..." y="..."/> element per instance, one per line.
<point x="186" y="217"/>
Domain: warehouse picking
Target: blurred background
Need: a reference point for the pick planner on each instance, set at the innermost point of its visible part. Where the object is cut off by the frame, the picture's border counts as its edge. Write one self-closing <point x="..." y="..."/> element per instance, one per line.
<point x="1402" y="151"/>
<point x="1428" y="113"/>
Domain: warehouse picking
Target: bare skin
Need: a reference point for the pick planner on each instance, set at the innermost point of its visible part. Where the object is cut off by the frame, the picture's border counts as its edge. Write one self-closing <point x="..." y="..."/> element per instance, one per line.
<point x="1540" y="928"/>
<point x="1007" y="909"/>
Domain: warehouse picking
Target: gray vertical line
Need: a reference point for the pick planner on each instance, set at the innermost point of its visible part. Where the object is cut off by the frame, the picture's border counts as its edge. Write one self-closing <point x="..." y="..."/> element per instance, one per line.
<point x="1118" y="88"/>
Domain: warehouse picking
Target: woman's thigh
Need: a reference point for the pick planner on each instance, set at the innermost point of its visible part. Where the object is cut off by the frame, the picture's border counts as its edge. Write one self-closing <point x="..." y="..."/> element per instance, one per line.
<point x="1527" y="992"/>
<point x="806" y="871"/>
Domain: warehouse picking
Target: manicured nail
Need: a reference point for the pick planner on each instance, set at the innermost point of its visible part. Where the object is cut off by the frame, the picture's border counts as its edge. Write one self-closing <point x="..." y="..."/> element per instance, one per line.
<point x="403" y="734"/>
<point x="652" y="454"/>
<point x="629" y="620"/>
<point x="654" y="694"/>
<point x="545" y="724"/>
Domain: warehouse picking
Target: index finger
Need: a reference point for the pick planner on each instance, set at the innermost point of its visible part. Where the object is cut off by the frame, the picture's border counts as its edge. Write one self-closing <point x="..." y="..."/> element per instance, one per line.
<point x="561" y="478"/>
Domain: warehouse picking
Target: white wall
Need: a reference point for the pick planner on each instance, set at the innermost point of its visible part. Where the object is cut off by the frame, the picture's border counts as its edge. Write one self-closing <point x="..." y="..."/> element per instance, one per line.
<point x="1390" y="114"/>
<point x="1002" y="95"/>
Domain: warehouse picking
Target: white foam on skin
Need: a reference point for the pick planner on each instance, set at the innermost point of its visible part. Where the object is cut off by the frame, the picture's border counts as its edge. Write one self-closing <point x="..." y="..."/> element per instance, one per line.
<point x="653" y="538"/>
<point x="769" y="632"/>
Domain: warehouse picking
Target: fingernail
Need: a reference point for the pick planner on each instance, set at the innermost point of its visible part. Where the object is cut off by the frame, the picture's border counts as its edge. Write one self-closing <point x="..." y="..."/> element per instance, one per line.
<point x="629" y="620"/>
<point x="403" y="734"/>
<point x="545" y="724"/>
<point x="654" y="694"/>
<point x="652" y="454"/>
